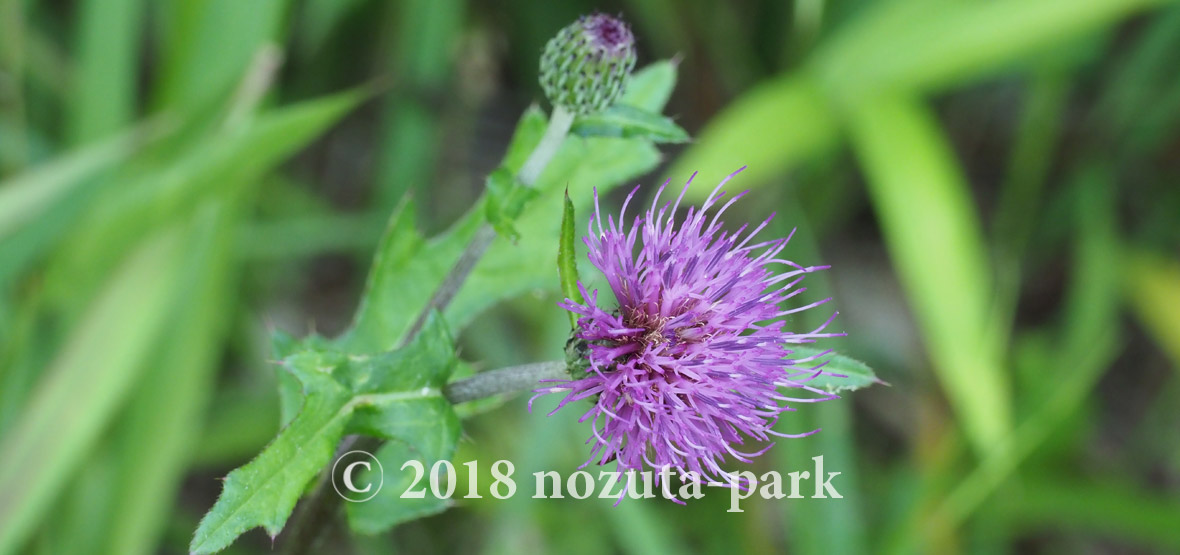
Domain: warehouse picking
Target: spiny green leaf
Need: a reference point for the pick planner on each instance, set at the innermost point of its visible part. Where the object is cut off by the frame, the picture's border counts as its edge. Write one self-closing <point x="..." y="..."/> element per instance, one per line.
<point x="626" y="121"/>
<point x="286" y="348"/>
<point x="841" y="373"/>
<point x="411" y="411"/>
<point x="394" y="395"/>
<point x="405" y="271"/>
<point x="427" y="362"/>
<point x="567" y="267"/>
<point x="387" y="508"/>
<point x="264" y="491"/>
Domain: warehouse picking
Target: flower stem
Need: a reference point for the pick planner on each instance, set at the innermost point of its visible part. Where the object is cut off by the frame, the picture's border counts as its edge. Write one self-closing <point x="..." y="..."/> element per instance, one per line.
<point x="504" y="380"/>
<point x="559" y="126"/>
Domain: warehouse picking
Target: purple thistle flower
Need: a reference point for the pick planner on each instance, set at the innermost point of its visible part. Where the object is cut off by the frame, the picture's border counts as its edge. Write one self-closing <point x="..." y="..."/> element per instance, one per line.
<point x="693" y="359"/>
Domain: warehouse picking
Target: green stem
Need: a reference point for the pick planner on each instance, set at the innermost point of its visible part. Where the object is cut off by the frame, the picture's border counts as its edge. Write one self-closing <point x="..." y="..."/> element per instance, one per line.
<point x="504" y="380"/>
<point x="559" y="126"/>
<point x="555" y="133"/>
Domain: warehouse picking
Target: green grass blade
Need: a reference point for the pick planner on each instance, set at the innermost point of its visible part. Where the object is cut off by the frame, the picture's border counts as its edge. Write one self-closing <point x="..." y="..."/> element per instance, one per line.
<point x="1151" y="284"/>
<point x="892" y="48"/>
<point x="641" y="529"/>
<point x="770" y="129"/>
<point x="424" y="35"/>
<point x="306" y="236"/>
<point x="1144" y="72"/>
<point x="1089" y="344"/>
<point x="1029" y="163"/>
<point x="27" y="196"/>
<point x="103" y="94"/>
<point x="84" y="386"/>
<point x="824" y="525"/>
<point x="239" y="423"/>
<point x="198" y="62"/>
<point x="1106" y="507"/>
<point x="212" y="167"/>
<point x="161" y="427"/>
<point x="821" y="525"/>
<point x="13" y="111"/>
<point x="936" y="244"/>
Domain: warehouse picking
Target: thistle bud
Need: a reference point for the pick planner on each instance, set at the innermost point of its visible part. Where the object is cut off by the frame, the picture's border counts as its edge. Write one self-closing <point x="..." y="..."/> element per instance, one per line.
<point x="585" y="67"/>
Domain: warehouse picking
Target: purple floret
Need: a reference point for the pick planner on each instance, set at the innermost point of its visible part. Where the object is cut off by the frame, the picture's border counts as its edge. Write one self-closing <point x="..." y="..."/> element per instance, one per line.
<point x="607" y="33"/>
<point x="696" y="358"/>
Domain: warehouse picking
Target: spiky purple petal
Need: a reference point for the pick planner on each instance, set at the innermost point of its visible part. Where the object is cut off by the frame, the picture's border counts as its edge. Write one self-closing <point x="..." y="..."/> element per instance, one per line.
<point x="695" y="359"/>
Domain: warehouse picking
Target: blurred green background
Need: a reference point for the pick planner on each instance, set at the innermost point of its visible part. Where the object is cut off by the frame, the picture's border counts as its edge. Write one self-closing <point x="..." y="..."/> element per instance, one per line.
<point x="993" y="182"/>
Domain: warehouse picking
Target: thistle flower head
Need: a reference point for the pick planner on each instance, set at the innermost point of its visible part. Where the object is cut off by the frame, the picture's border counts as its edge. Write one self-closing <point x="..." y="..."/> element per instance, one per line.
<point x="585" y="67"/>
<point x="695" y="360"/>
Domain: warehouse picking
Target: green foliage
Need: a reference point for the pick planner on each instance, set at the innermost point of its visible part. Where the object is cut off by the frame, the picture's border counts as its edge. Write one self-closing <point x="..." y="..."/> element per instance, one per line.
<point x="26" y="197"/>
<point x="506" y="199"/>
<point x="1151" y="284"/>
<point x="388" y="508"/>
<point x="361" y="384"/>
<point x="214" y="166"/>
<point x="999" y="172"/>
<point x="626" y="121"/>
<point x="161" y="427"/>
<point x="65" y="414"/>
<point x="104" y="100"/>
<point x="394" y="396"/>
<point x="775" y="126"/>
<point x="264" y="492"/>
<point x="851" y="374"/>
<point x="408" y="267"/>
<point x="928" y="222"/>
<point x="567" y="268"/>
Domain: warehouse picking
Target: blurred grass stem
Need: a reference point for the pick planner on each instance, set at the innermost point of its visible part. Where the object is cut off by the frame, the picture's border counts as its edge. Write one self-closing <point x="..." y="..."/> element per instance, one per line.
<point x="321" y="508"/>
<point x="12" y="69"/>
<point x="258" y="79"/>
